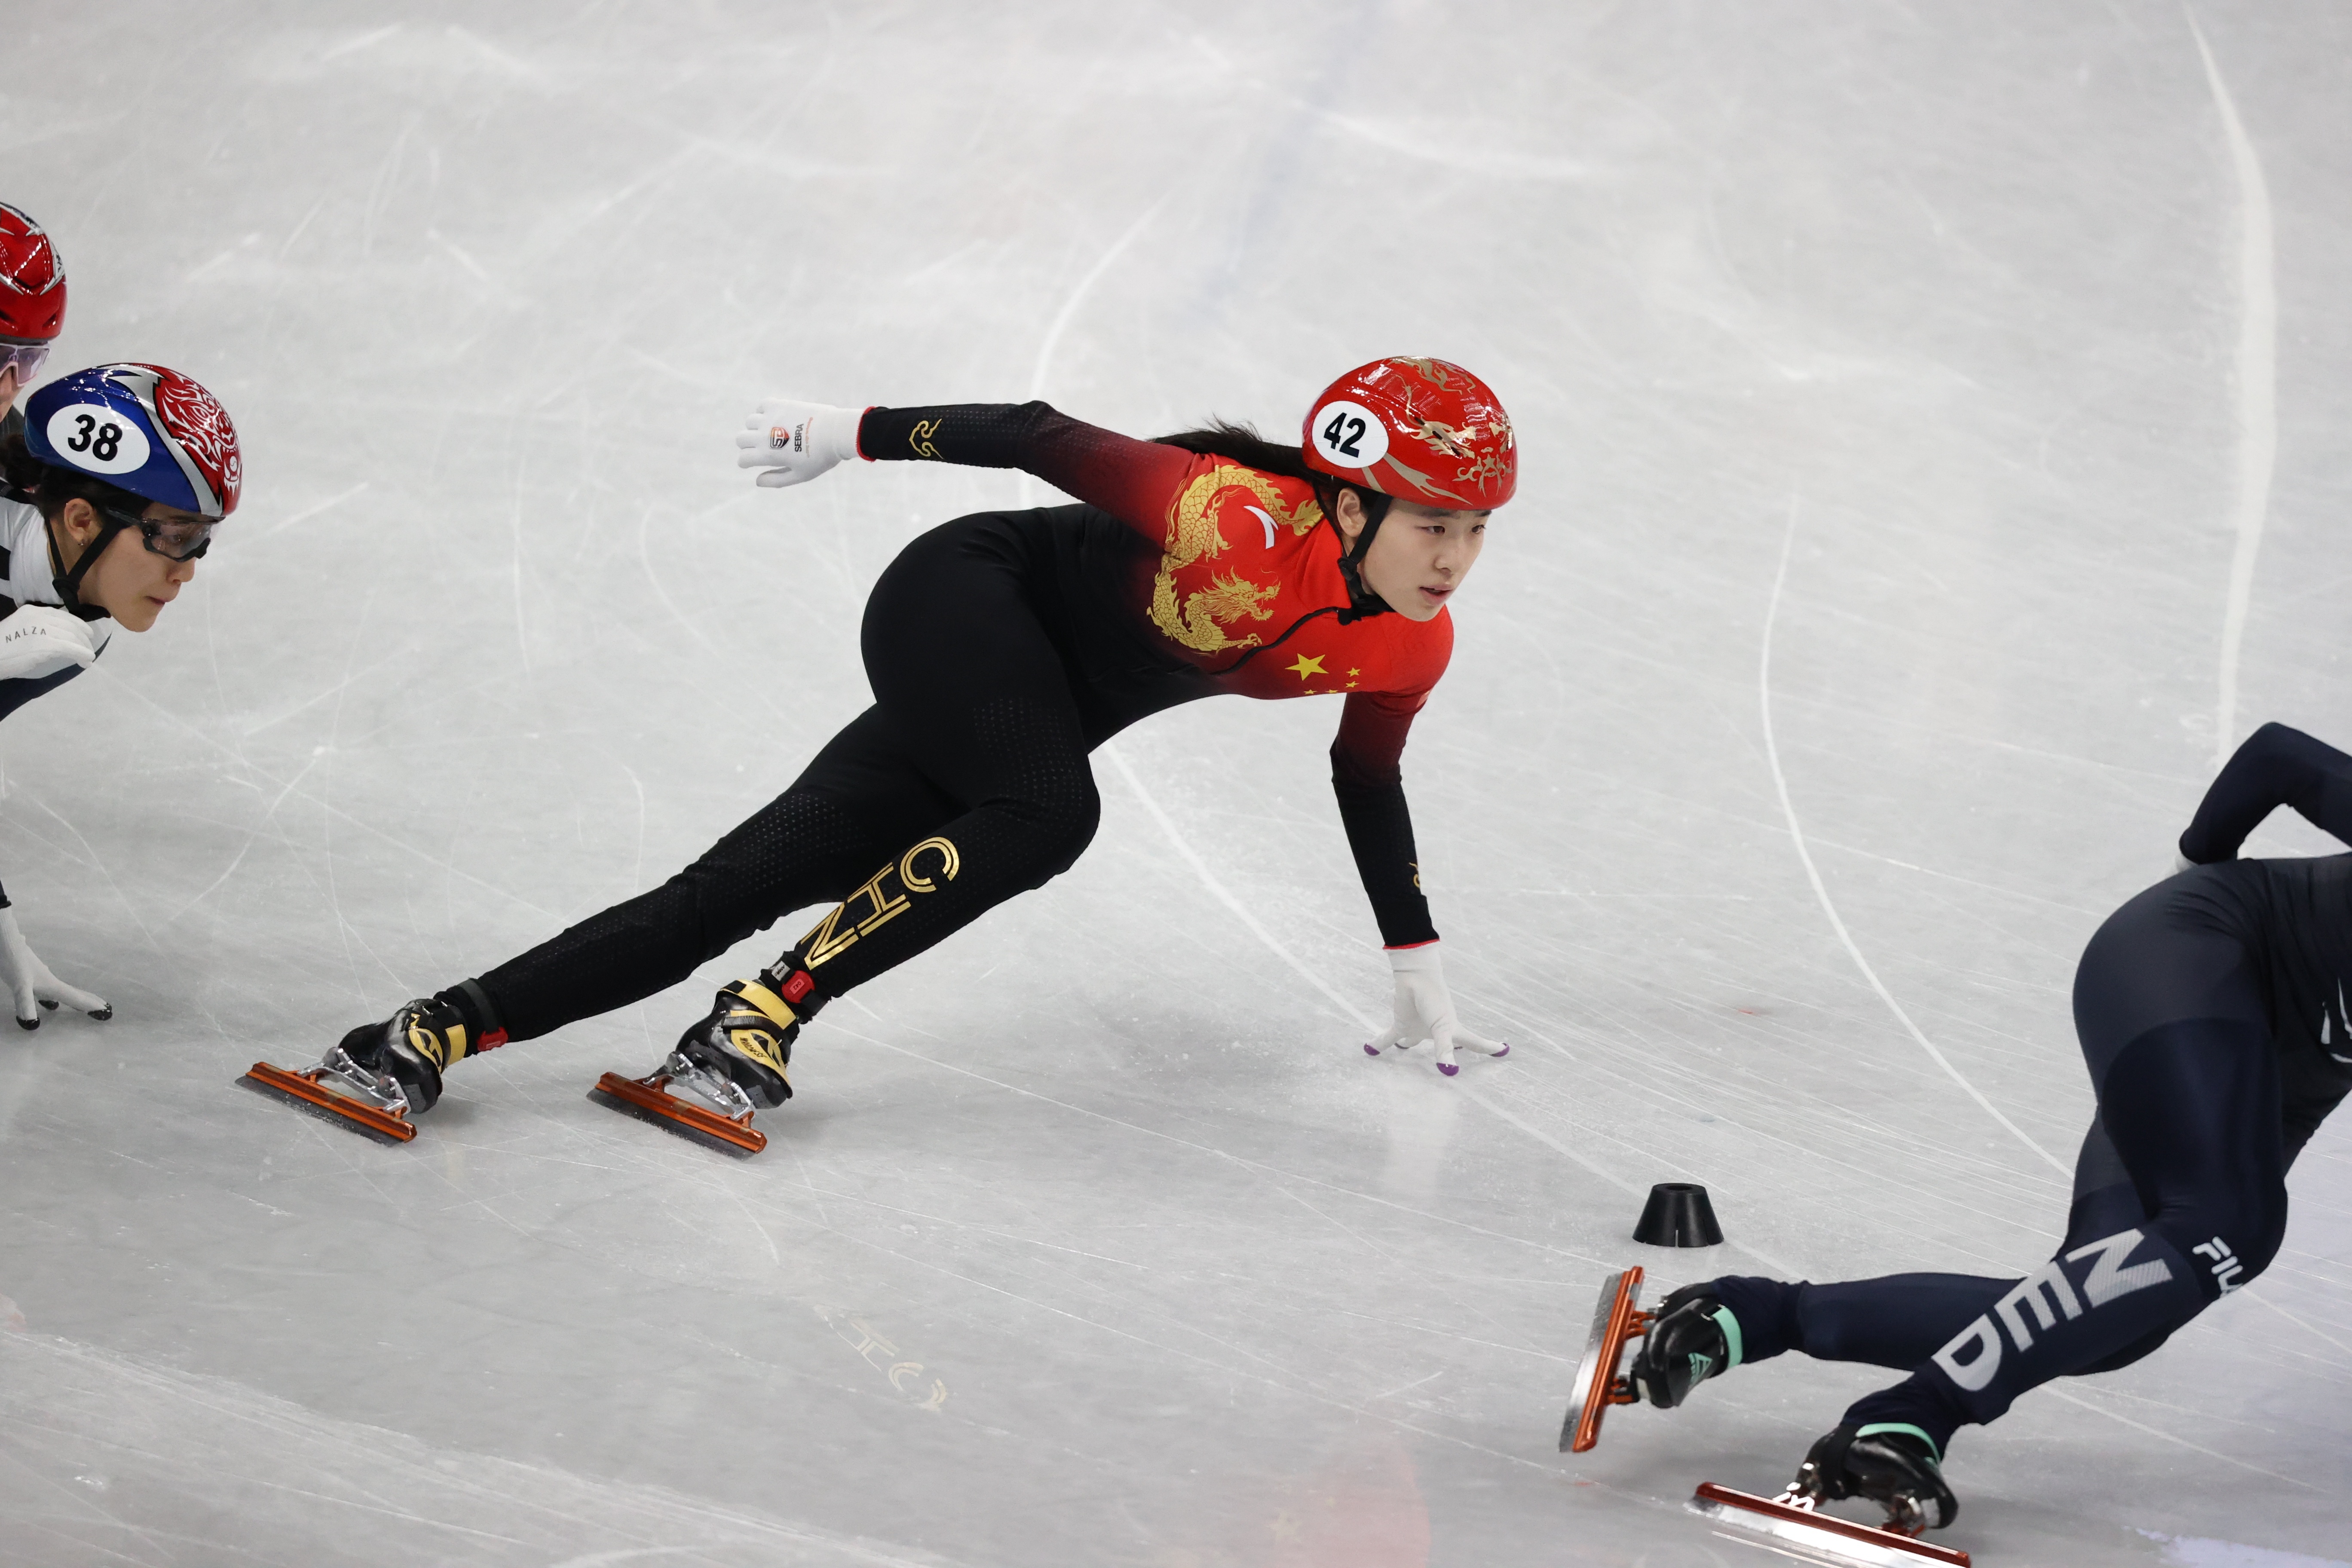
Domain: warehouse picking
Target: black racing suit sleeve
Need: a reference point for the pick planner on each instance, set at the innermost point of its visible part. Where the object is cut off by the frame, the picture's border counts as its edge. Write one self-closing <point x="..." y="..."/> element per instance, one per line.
<point x="2276" y="767"/>
<point x="1370" y="784"/>
<point x="1133" y="481"/>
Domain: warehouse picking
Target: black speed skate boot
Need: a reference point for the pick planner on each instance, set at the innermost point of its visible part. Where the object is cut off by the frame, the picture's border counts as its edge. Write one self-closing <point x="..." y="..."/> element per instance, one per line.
<point x="1894" y="1467"/>
<point x="734" y="1060"/>
<point x="747" y="1041"/>
<point x="1694" y="1338"/>
<point x="380" y="1075"/>
<point x="413" y="1048"/>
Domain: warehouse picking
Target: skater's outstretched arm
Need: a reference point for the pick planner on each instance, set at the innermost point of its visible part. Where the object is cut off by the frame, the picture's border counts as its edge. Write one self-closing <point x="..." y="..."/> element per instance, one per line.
<point x="793" y="442"/>
<point x="2276" y="767"/>
<point x="1133" y="481"/>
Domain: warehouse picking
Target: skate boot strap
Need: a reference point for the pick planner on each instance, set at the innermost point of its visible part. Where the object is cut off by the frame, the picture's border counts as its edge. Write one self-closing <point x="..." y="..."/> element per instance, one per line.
<point x="789" y="978"/>
<point x="764" y="1002"/>
<point x="1920" y="1442"/>
<point x="436" y="1034"/>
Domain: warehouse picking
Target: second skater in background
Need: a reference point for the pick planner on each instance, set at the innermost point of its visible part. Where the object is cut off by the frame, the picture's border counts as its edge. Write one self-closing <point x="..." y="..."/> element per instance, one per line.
<point x="1001" y="650"/>
<point x="2212" y="1013"/>
<point x="108" y="494"/>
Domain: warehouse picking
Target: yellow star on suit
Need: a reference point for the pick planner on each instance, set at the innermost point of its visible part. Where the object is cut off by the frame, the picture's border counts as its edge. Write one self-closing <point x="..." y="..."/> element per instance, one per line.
<point x="1307" y="666"/>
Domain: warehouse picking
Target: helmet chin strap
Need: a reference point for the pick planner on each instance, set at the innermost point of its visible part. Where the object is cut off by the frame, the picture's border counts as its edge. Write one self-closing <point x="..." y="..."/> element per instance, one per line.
<point x="69" y="583"/>
<point x="1362" y="602"/>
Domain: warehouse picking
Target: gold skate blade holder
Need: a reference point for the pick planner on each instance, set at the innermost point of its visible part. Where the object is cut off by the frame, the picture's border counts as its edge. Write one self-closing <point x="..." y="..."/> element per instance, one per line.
<point x="1840" y="1539"/>
<point x="650" y="1096"/>
<point x="306" y="1089"/>
<point x="1617" y="1321"/>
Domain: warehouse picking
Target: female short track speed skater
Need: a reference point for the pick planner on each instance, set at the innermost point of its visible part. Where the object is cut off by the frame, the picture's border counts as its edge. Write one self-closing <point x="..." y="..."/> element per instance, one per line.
<point x="111" y="480"/>
<point x="1001" y="650"/>
<point x="2211" y="1014"/>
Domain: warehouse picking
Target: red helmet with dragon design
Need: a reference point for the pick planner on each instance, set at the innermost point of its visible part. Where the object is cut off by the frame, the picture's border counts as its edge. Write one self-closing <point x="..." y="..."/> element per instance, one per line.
<point x="1420" y="430"/>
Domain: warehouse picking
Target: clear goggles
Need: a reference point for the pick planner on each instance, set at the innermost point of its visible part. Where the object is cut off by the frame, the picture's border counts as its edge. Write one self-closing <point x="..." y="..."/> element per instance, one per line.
<point x="175" y="539"/>
<point x="25" y="359"/>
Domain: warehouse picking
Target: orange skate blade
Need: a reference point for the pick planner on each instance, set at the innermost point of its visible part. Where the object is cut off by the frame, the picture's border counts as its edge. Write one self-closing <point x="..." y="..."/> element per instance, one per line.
<point x="1617" y="1320"/>
<point x="645" y="1098"/>
<point x="305" y="1089"/>
<point x="1823" y="1537"/>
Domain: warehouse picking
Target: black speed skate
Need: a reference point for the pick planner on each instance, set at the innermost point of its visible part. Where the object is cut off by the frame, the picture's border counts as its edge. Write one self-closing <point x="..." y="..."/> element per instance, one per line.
<point x="735" y="1059"/>
<point x="747" y="1041"/>
<point x="1693" y="1338"/>
<point x="1893" y="1467"/>
<point x="380" y="1075"/>
<point x="409" y="1049"/>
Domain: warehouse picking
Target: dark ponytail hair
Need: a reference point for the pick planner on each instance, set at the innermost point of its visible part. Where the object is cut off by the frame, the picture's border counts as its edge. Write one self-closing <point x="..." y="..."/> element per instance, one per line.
<point x="1244" y="445"/>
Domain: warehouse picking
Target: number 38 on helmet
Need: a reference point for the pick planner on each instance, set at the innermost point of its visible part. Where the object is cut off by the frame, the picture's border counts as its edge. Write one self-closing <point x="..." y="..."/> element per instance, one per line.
<point x="141" y="428"/>
<point x="1416" y="430"/>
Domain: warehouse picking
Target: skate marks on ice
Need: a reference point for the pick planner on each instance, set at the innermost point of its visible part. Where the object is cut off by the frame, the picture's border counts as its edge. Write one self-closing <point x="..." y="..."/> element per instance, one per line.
<point x="2197" y="1552"/>
<point x="2254" y="384"/>
<point x="98" y="1466"/>
<point x="1813" y="875"/>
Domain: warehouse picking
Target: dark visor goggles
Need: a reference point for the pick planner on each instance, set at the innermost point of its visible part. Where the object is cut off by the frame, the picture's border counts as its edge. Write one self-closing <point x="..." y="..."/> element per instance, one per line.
<point x="176" y="539"/>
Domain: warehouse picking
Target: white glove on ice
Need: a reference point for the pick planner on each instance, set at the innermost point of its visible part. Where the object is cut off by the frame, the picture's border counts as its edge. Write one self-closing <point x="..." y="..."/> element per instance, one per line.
<point x="796" y="441"/>
<point x="28" y="980"/>
<point x="42" y="639"/>
<point x="1424" y="1011"/>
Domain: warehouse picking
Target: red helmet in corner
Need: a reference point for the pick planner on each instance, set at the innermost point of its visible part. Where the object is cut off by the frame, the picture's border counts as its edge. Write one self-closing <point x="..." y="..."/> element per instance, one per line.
<point x="1420" y="430"/>
<point x="32" y="281"/>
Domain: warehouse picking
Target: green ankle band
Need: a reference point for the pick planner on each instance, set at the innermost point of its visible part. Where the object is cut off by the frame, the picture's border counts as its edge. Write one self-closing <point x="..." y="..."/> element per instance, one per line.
<point x="1731" y="1327"/>
<point x="1935" y="1454"/>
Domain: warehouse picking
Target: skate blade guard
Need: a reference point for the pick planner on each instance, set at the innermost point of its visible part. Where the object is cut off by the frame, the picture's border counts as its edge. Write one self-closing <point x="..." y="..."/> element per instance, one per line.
<point x="649" y="1099"/>
<point x="306" y="1091"/>
<point x="1617" y="1321"/>
<point x="1819" y="1536"/>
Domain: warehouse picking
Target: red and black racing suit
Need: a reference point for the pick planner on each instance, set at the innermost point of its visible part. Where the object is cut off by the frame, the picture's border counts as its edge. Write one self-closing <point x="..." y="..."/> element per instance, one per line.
<point x="1001" y="650"/>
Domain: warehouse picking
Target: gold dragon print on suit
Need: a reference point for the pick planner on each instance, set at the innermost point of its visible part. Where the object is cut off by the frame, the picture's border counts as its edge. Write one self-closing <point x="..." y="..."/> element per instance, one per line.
<point x="1201" y="620"/>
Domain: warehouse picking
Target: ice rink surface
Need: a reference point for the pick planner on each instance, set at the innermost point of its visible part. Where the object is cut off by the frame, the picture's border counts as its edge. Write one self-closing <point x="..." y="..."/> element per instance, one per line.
<point x="1932" y="423"/>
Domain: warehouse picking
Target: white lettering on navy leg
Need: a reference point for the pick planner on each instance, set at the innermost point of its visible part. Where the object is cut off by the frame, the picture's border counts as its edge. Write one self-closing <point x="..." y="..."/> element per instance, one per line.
<point x="2048" y="1292"/>
<point x="1975" y="1372"/>
<point x="2227" y="1269"/>
<point x="1975" y="1353"/>
<point x="2108" y="1279"/>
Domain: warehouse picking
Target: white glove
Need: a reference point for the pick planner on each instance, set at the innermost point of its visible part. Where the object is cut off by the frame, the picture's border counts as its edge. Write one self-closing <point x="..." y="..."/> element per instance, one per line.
<point x="1425" y="1012"/>
<point x="42" y="639"/>
<point x="28" y="980"/>
<point x="796" y="441"/>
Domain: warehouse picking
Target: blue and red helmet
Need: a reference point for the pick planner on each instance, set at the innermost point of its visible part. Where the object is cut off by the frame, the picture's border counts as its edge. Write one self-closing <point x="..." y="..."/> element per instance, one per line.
<point x="141" y="428"/>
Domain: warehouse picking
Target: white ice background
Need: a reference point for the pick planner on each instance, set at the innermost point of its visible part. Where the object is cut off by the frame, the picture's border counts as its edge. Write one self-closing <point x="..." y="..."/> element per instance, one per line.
<point x="1934" y="455"/>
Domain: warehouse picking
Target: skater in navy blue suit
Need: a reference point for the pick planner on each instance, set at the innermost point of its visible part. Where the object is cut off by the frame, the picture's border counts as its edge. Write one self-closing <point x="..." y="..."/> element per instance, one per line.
<point x="2212" y="1014"/>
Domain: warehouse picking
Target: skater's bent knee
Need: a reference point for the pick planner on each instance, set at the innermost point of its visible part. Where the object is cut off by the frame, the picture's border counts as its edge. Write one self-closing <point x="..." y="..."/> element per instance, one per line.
<point x="1053" y="832"/>
<point x="2229" y="1240"/>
